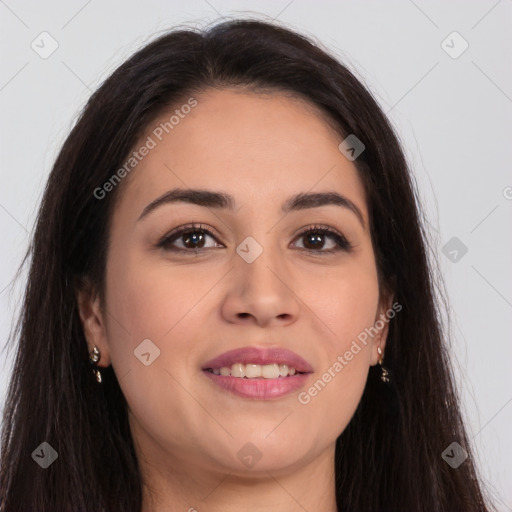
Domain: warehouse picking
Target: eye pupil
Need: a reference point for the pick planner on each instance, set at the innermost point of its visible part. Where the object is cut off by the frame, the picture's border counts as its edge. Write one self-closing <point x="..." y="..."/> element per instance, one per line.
<point x="194" y="238"/>
<point x="316" y="240"/>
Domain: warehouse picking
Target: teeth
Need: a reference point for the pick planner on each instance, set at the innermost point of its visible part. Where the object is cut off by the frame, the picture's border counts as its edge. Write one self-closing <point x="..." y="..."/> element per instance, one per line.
<point x="270" y="371"/>
<point x="283" y="370"/>
<point x="238" y="370"/>
<point x="254" y="371"/>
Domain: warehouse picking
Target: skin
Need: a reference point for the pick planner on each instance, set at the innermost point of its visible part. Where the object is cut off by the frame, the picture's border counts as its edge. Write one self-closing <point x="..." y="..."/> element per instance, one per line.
<point x="260" y="148"/>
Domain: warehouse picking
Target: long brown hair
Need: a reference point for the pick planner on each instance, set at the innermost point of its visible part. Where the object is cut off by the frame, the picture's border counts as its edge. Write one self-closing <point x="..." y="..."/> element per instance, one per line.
<point x="389" y="456"/>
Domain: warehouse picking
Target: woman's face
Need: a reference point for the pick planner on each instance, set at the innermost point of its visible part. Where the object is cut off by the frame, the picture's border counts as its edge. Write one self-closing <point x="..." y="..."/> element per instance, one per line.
<point x="256" y="282"/>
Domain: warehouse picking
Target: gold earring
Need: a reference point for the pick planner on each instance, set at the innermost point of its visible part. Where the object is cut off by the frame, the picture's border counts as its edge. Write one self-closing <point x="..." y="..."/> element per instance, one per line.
<point x="384" y="376"/>
<point x="94" y="357"/>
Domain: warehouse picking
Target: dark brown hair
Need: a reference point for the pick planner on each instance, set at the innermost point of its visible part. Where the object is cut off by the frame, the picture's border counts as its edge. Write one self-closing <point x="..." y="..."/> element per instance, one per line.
<point x="389" y="456"/>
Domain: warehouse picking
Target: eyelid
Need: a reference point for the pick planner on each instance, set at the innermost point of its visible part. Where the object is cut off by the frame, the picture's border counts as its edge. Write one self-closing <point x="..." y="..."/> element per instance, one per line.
<point x="342" y="244"/>
<point x="341" y="240"/>
<point x="317" y="227"/>
<point x="186" y="229"/>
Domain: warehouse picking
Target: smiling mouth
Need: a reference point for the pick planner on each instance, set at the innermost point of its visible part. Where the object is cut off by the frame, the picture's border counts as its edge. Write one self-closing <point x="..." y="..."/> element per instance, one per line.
<point x="255" y="371"/>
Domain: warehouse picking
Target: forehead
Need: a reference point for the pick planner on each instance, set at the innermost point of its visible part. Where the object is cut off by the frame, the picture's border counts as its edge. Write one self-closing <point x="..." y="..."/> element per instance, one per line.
<point x="259" y="148"/>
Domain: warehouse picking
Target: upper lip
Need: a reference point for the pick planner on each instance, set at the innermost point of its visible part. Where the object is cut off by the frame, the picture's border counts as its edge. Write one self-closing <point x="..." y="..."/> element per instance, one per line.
<point x="258" y="355"/>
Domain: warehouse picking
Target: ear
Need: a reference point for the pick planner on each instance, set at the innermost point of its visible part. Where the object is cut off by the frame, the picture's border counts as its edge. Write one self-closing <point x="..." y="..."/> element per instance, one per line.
<point x="384" y="315"/>
<point x="93" y="321"/>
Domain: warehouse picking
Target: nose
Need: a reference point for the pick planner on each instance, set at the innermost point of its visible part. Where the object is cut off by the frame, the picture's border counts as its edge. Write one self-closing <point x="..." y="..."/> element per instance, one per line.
<point x="261" y="292"/>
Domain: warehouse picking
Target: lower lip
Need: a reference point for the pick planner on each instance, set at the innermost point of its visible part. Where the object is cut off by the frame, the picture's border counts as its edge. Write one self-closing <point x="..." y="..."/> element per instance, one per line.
<point x="259" y="388"/>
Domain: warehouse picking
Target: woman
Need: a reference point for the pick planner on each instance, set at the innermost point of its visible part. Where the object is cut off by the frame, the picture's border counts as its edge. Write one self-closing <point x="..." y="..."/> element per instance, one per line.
<point x="230" y="237"/>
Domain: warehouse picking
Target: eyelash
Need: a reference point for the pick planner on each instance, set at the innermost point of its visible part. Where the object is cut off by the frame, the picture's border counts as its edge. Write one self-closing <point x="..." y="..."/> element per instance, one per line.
<point x="341" y="241"/>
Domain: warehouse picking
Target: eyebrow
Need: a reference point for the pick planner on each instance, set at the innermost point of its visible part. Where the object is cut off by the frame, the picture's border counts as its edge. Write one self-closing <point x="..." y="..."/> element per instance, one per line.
<point x="222" y="200"/>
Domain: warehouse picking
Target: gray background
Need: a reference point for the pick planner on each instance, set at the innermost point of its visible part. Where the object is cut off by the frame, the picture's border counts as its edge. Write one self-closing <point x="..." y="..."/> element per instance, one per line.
<point x="453" y="116"/>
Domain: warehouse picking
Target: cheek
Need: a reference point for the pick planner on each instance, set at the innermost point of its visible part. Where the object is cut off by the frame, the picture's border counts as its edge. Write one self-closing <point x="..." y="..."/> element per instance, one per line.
<point x="345" y="302"/>
<point x="160" y="304"/>
<point x="153" y="300"/>
<point x="168" y="312"/>
<point x="335" y="392"/>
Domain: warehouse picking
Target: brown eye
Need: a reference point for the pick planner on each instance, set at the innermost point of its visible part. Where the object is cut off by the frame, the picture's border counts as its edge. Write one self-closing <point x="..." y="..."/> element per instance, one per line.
<point x="315" y="240"/>
<point x="191" y="238"/>
<point x="194" y="239"/>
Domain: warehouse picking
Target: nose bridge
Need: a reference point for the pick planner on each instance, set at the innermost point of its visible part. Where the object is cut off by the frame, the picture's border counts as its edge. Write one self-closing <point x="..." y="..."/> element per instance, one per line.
<point x="259" y="259"/>
<point x="262" y="286"/>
